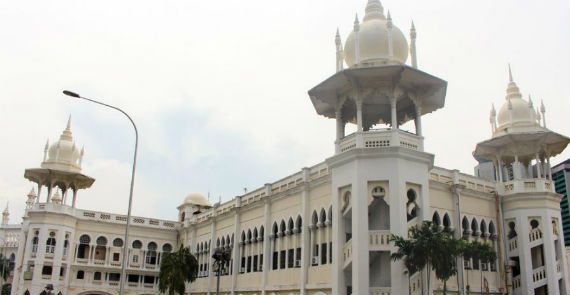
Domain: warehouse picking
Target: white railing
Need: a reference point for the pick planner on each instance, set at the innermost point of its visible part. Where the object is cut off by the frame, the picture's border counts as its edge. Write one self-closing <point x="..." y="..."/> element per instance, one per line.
<point x="517" y="282"/>
<point x="379" y="239"/>
<point x="347" y="252"/>
<point x="381" y="138"/>
<point x="527" y="185"/>
<point x="513" y="244"/>
<point x="380" y="290"/>
<point x="538" y="274"/>
<point x="534" y="234"/>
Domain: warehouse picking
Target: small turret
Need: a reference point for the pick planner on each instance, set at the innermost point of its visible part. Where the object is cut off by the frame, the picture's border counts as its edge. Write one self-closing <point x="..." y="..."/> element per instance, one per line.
<point x="356" y="40"/>
<point x="413" y="46"/>
<point x="5" y="215"/>
<point x="543" y="111"/>
<point x="339" y="52"/>
<point x="31" y="199"/>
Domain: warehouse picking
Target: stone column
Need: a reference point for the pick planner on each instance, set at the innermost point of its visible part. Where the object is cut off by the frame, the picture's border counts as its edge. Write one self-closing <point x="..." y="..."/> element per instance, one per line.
<point x="360" y="251"/>
<point x="456" y="193"/>
<point x="549" y="253"/>
<point x="394" y="115"/>
<point x="305" y="231"/>
<point x="516" y="168"/>
<point x="209" y="259"/>
<point x="236" y="247"/>
<point x="267" y="254"/>
<point x="338" y="242"/>
<point x="418" y="119"/>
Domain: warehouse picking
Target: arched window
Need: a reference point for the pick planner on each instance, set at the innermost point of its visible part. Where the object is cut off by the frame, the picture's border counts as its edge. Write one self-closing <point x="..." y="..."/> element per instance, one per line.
<point x="50" y="245"/>
<point x="248" y="235"/>
<point x="282" y="227"/>
<point x="137" y="244"/>
<point x="255" y="235"/>
<point x="290" y="225"/>
<point x="322" y="217"/>
<point x="101" y="241"/>
<point x="512" y="230"/>
<point x="97" y="276"/>
<point x="262" y="233"/>
<point x="167" y="248"/>
<point x="275" y="230"/>
<point x="474" y="227"/>
<point x="411" y="206"/>
<point x="378" y="192"/>
<point x="465" y="226"/>
<point x="435" y="219"/>
<point x="534" y="224"/>
<point x="84" y="239"/>
<point x="492" y="231"/>
<point x="35" y="244"/>
<point x="299" y="224"/>
<point x="315" y="218"/>
<point x="118" y="242"/>
<point x="80" y="275"/>
<point x="151" y="253"/>
<point x="446" y="221"/>
<point x="483" y="228"/>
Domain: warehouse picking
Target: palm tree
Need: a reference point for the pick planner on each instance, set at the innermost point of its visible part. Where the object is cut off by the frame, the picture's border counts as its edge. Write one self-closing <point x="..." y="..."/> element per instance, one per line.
<point x="446" y="248"/>
<point x="470" y="250"/>
<point x="405" y="253"/>
<point x="176" y="269"/>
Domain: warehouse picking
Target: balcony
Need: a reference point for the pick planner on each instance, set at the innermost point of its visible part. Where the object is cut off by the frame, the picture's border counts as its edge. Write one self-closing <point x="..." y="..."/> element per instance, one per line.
<point x="535" y="237"/>
<point x="378" y="240"/>
<point x="527" y="185"/>
<point x="513" y="246"/>
<point x="380" y="291"/>
<point x="376" y="138"/>
<point x="539" y="276"/>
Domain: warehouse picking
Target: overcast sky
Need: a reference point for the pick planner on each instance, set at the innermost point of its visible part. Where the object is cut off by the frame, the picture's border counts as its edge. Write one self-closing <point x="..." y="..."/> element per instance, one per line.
<point x="219" y="88"/>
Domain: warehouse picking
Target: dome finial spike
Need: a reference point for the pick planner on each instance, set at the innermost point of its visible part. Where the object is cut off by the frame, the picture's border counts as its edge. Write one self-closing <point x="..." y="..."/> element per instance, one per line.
<point x="68" y="123"/>
<point x="413" y="26"/>
<point x="510" y="74"/>
<point x="374" y="10"/>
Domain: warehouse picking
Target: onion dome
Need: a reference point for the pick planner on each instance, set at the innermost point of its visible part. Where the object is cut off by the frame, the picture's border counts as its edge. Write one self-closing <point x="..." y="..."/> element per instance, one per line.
<point x="63" y="155"/>
<point x="516" y="114"/>
<point x="373" y="37"/>
<point x="196" y="199"/>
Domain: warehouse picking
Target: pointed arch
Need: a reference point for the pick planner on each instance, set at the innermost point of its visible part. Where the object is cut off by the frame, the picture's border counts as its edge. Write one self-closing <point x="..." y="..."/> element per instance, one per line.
<point x="314" y="218"/>
<point x="255" y="235"/>
<point x="290" y="224"/>
<point x="436" y="220"/>
<point x="248" y="238"/>
<point x="465" y="225"/>
<point x="446" y="221"/>
<point x="282" y="227"/>
<point x="483" y="227"/>
<point x="218" y="243"/>
<point x="323" y="216"/>
<point x="275" y="228"/>
<point x="299" y="223"/>
<point x="492" y="230"/>
<point x="474" y="226"/>
<point x="243" y="236"/>
<point x="262" y="233"/>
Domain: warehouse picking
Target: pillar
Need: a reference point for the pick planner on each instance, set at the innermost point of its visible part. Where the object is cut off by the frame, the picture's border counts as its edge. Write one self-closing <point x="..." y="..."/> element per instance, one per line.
<point x="236" y="247"/>
<point x="305" y="231"/>
<point x="360" y="254"/>
<point x="538" y="168"/>
<point x="394" y="119"/>
<point x="339" y="130"/>
<point x="418" y="119"/>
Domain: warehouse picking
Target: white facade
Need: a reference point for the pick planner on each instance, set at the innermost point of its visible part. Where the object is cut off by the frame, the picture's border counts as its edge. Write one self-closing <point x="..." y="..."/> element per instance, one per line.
<point x="325" y="229"/>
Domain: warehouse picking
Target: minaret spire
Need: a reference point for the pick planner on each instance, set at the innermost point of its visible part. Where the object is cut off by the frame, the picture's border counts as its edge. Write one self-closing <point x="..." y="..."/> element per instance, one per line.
<point x="356" y="41"/>
<point x="46" y="149"/>
<point x="339" y="52"/>
<point x="5" y="215"/>
<point x="413" y="46"/>
<point x="390" y="25"/>
<point x="510" y="74"/>
<point x="543" y="111"/>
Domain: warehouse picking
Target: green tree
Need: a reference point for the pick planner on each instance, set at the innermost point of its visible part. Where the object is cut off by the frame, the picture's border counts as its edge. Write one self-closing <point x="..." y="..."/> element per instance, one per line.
<point x="429" y="249"/>
<point x="6" y="289"/>
<point x="4" y="268"/>
<point x="405" y="253"/>
<point x="176" y="269"/>
<point x="486" y="254"/>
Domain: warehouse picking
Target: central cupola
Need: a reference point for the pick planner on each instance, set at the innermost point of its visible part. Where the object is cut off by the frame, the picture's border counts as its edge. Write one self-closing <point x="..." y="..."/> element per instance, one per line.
<point x="376" y="40"/>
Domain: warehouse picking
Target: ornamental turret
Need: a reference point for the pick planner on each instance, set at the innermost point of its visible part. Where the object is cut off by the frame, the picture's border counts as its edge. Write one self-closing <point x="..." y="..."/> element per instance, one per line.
<point x="60" y="169"/>
<point x="5" y="215"/>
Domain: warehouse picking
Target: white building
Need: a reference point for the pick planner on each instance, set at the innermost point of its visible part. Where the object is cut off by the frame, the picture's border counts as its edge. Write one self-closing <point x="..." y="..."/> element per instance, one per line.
<point x="325" y="229"/>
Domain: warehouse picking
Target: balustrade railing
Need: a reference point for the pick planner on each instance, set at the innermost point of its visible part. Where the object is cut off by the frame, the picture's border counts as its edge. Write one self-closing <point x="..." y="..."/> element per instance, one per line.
<point x="379" y="239"/>
<point x="513" y="244"/>
<point x="517" y="282"/>
<point x="534" y="234"/>
<point x="380" y="291"/>
<point x="538" y="274"/>
<point x="381" y="138"/>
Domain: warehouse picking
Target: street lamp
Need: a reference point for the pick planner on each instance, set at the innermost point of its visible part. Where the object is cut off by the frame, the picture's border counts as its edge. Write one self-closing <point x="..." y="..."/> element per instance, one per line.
<point x="125" y="246"/>
<point x="221" y="257"/>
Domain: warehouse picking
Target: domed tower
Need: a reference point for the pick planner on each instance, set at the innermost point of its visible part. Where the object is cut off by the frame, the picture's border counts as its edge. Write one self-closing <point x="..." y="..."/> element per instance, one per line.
<point x="60" y="168"/>
<point x="519" y="150"/>
<point x="193" y="204"/>
<point x="379" y="173"/>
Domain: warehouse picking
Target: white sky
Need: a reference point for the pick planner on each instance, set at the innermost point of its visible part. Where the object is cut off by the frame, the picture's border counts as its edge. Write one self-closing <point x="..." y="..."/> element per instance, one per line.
<point x="219" y="88"/>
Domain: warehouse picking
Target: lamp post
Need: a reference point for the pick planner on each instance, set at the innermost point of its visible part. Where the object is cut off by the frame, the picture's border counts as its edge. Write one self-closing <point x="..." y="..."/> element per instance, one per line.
<point x="125" y="245"/>
<point x="221" y="257"/>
